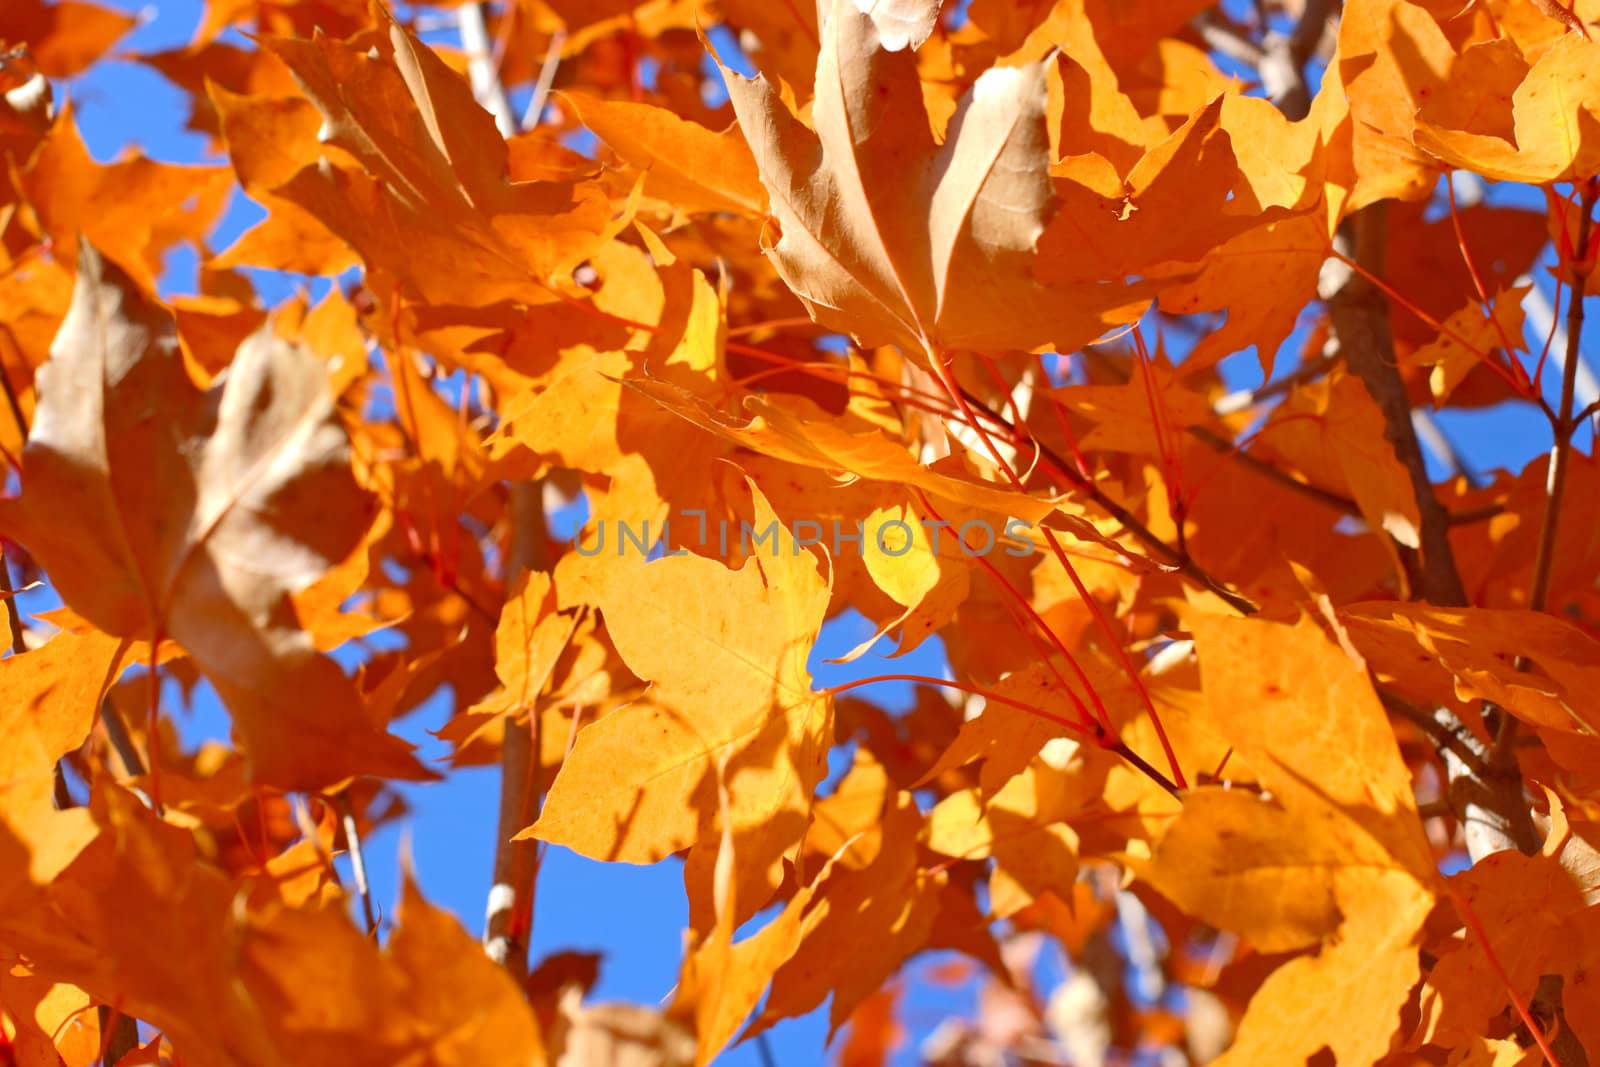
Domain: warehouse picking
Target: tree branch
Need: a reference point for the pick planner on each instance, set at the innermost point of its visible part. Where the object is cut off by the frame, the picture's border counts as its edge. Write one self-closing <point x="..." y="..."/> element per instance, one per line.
<point x="1284" y="58"/>
<point x="508" y="924"/>
<point x="1360" y="319"/>
<point x="1451" y="734"/>
<point x="1486" y="792"/>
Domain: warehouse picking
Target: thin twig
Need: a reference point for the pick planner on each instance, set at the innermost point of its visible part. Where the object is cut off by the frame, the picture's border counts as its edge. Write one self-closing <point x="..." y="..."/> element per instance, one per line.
<point x="62" y="795"/>
<point x="1470" y="919"/>
<point x="12" y="403"/>
<point x="1588" y="412"/>
<point x="1089" y="732"/>
<point x="358" y="862"/>
<point x="121" y="741"/>
<point x="19" y="636"/>
<point x="1244" y="399"/>
<point x="153" y="722"/>
<point x="1478" y="514"/>
<point x="485" y="80"/>
<point x="547" y="78"/>
<point x="1452" y="735"/>
<point x="1168" y="555"/>
<point x="1226" y="40"/>
<point x="1564" y="425"/>
<point x="1435" y="809"/>
<point x="1266" y="470"/>
<point x="1432" y="435"/>
<point x="941" y="365"/>
<point x="119" y="1034"/>
<point x="1143" y="766"/>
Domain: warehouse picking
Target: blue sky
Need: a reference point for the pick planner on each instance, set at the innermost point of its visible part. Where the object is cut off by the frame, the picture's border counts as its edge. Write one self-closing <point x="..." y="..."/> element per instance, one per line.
<point x="633" y="915"/>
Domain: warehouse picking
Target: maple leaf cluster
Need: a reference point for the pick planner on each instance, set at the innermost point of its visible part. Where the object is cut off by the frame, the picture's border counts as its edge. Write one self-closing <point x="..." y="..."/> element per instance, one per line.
<point x="940" y="319"/>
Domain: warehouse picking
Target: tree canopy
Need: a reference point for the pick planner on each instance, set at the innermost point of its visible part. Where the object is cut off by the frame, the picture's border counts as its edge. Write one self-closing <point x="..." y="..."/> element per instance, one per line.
<point x="1130" y="355"/>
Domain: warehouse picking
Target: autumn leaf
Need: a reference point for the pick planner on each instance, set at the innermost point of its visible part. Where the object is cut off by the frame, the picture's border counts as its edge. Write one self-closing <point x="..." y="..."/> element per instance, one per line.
<point x="1554" y="120"/>
<point x="891" y="237"/>
<point x="1023" y="826"/>
<point x="785" y="431"/>
<point x="1467" y="339"/>
<point x="198" y="523"/>
<point x="1534" y="665"/>
<point x="1536" y="920"/>
<point x="431" y="168"/>
<point x="722" y="981"/>
<point x="237" y="992"/>
<point x="134" y="210"/>
<point x="884" y="909"/>
<point x="1330" y="852"/>
<point x="688" y="165"/>
<point x="43" y="721"/>
<point x="733" y="684"/>
<point x="63" y="36"/>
